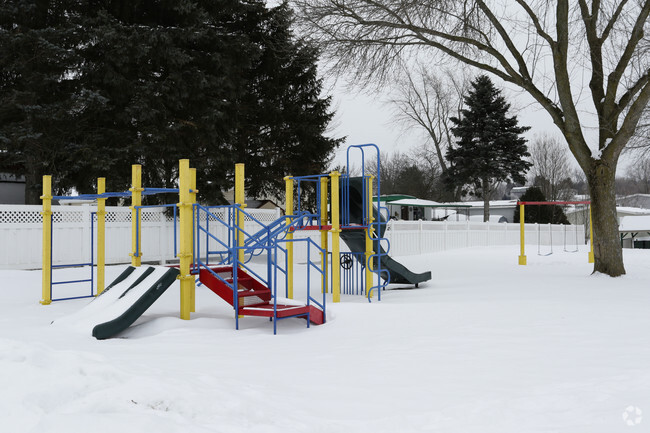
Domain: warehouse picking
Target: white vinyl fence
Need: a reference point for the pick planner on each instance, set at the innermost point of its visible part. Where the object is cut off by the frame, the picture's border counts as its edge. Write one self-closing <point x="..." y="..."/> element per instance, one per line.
<point x="74" y="235"/>
<point x="421" y="237"/>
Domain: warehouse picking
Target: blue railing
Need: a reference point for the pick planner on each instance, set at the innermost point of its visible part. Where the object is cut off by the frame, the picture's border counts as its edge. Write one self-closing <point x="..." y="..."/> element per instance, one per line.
<point x="265" y="239"/>
<point x="376" y="225"/>
<point x="274" y="264"/>
<point x="91" y="264"/>
<point x="352" y="273"/>
<point x="137" y="225"/>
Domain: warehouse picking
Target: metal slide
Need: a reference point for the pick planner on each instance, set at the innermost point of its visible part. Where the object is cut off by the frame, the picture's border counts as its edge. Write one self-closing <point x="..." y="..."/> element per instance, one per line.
<point x="399" y="274"/>
<point x="128" y="297"/>
<point x="355" y="240"/>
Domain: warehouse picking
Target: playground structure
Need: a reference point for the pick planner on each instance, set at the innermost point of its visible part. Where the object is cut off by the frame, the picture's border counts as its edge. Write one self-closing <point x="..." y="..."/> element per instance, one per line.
<point x="344" y="211"/>
<point x="522" y="225"/>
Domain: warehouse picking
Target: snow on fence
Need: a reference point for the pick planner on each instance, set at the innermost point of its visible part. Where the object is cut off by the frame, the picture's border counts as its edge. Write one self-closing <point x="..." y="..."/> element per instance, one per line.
<point x="21" y="235"/>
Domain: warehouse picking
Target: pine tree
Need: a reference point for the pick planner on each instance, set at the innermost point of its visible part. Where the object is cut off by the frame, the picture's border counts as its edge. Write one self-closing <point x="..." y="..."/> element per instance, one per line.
<point x="489" y="147"/>
<point x="150" y="82"/>
<point x="37" y="90"/>
<point x="541" y="214"/>
<point x="281" y="119"/>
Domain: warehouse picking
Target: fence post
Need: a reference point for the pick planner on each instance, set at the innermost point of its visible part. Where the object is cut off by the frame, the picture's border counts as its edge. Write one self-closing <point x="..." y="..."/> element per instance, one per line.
<point x="445" y="233"/>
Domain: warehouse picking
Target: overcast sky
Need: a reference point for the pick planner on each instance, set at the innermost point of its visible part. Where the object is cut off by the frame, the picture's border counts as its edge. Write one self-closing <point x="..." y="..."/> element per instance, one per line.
<point x="368" y="119"/>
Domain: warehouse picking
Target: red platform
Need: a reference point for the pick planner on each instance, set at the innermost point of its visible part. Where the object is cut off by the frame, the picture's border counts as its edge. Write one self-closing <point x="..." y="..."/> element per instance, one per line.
<point x="255" y="299"/>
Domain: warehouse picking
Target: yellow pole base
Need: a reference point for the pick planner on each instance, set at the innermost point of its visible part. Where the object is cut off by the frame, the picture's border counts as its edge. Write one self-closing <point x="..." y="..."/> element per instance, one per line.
<point x="591" y="257"/>
<point x="522" y="260"/>
<point x="45" y="302"/>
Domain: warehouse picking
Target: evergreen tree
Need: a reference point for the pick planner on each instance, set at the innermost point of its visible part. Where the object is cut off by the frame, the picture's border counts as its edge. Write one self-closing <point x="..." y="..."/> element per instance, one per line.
<point x="281" y="120"/>
<point x="541" y="214"/>
<point x="150" y="82"/>
<point x="489" y="147"/>
<point x="37" y="90"/>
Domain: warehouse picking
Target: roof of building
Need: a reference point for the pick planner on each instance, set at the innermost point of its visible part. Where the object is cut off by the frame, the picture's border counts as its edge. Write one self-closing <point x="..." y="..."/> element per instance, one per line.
<point x="416" y="202"/>
<point x="634" y="223"/>
<point x="394" y="197"/>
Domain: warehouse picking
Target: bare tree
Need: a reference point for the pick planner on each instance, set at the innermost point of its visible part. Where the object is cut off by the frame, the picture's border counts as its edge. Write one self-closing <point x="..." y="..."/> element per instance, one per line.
<point x="551" y="170"/>
<point x="427" y="100"/>
<point x="406" y="174"/>
<point x="542" y="47"/>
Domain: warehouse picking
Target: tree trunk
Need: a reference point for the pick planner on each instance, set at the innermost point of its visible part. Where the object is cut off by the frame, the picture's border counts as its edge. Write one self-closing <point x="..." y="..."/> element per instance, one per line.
<point x="33" y="186"/>
<point x="608" y="254"/>
<point x="487" y="192"/>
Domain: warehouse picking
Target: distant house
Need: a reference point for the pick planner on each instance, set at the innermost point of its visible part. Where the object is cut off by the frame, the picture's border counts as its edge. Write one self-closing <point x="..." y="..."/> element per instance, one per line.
<point x="517" y="191"/>
<point x="634" y="231"/>
<point x="500" y="210"/>
<point x="410" y="208"/>
<point x="263" y="203"/>
<point x="12" y="189"/>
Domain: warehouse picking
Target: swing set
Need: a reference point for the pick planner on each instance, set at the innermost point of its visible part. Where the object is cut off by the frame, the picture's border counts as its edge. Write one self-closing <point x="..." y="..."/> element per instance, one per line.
<point x="522" y="243"/>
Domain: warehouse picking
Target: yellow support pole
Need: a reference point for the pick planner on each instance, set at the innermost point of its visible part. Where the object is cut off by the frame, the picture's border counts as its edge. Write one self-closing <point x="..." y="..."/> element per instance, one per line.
<point x="185" y="253"/>
<point x="47" y="240"/>
<point x="369" y="243"/>
<point x="136" y="200"/>
<point x="590" y="256"/>
<point x="323" y="233"/>
<point x="240" y="199"/>
<point x="193" y="201"/>
<point x="522" y="243"/>
<point x="336" y="232"/>
<point x="288" y="212"/>
<point x="101" y="236"/>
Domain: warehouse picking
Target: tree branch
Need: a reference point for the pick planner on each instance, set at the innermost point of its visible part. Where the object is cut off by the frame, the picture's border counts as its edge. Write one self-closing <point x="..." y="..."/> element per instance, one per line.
<point x="636" y="35"/>
<point x="612" y="21"/>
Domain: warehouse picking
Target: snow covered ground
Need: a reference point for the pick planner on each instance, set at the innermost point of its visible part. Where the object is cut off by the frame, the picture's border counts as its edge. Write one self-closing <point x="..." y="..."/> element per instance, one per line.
<point x="486" y="346"/>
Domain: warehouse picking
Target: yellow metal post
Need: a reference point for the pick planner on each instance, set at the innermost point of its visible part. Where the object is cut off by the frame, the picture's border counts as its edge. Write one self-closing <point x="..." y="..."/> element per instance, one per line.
<point x="185" y="254"/>
<point x="47" y="240"/>
<point x="323" y="232"/>
<point x="590" y="256"/>
<point x="101" y="236"/>
<point x="369" y="234"/>
<point x="193" y="201"/>
<point x="240" y="199"/>
<point x="336" y="232"/>
<point x="288" y="212"/>
<point x="522" y="243"/>
<point x="136" y="200"/>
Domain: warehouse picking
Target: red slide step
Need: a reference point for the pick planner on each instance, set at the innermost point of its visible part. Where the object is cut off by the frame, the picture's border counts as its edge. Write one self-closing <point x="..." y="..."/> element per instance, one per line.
<point x="248" y="286"/>
<point x="266" y="310"/>
<point x="255" y="299"/>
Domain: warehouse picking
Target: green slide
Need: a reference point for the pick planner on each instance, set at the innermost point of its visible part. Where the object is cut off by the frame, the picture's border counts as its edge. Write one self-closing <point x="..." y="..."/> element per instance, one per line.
<point x="355" y="240"/>
<point x="129" y="297"/>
